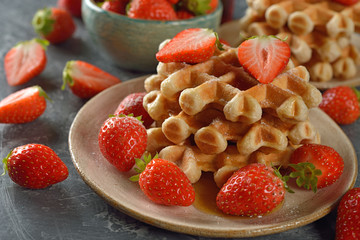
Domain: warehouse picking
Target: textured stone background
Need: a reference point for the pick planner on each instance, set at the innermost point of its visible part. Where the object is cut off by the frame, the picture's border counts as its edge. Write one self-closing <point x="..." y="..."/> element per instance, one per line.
<point x="71" y="210"/>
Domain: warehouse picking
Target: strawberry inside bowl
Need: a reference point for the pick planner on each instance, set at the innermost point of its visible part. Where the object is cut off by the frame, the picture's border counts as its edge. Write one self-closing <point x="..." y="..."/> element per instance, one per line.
<point x="132" y="43"/>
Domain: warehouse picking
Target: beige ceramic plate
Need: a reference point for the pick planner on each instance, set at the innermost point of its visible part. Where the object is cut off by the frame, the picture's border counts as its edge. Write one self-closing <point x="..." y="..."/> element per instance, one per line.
<point x="299" y="209"/>
<point x="230" y="32"/>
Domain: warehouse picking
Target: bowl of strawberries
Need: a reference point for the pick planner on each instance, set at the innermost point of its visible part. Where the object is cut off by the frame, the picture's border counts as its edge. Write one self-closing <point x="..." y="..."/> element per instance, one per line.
<point x="128" y="33"/>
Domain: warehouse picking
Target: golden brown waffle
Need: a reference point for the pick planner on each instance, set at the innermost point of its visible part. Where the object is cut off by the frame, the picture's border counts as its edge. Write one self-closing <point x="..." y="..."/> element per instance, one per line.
<point x="318" y="31"/>
<point x="213" y="116"/>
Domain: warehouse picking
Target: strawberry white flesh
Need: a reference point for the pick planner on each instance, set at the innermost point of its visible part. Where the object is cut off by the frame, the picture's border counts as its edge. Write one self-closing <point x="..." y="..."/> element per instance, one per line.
<point x="25" y="61"/>
<point x="264" y="57"/>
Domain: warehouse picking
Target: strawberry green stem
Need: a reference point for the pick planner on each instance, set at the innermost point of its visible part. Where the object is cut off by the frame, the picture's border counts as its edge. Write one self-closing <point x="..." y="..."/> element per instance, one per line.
<point x="218" y="43"/>
<point x="43" y="42"/>
<point x="306" y="175"/>
<point x="43" y="22"/>
<point x="141" y="165"/>
<point x="42" y="93"/>
<point x="357" y="93"/>
<point x="67" y="79"/>
<point x="284" y="178"/>
<point x="5" y="164"/>
<point x="198" y="7"/>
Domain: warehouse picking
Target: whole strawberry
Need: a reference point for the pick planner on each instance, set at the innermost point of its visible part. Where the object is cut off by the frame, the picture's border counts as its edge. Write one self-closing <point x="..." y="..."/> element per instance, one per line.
<point x="253" y="190"/>
<point x="116" y="6"/>
<point x="54" y="24"/>
<point x="35" y="166"/>
<point x="121" y="140"/>
<point x="316" y="166"/>
<point x="73" y="6"/>
<point x="23" y="106"/>
<point x="341" y="104"/>
<point x="133" y="104"/>
<point x="151" y="10"/>
<point x="264" y="57"/>
<point x="200" y="7"/>
<point x="348" y="215"/>
<point x="25" y="60"/>
<point x="86" y="80"/>
<point x="193" y="45"/>
<point x="163" y="182"/>
<point x="347" y="2"/>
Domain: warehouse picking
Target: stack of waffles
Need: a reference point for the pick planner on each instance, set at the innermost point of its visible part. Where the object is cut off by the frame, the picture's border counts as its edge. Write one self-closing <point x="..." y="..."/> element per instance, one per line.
<point x="319" y="33"/>
<point x="214" y="117"/>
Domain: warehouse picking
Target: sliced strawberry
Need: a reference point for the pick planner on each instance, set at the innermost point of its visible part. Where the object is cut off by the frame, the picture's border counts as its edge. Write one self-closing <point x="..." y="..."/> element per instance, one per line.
<point x="264" y="57"/>
<point x="86" y="80"/>
<point x="192" y="45"/>
<point x="25" y="61"/>
<point x="23" y="106"/>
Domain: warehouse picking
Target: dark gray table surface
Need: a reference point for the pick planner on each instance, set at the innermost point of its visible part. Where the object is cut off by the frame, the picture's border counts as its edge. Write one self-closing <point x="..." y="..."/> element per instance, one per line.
<point x="71" y="210"/>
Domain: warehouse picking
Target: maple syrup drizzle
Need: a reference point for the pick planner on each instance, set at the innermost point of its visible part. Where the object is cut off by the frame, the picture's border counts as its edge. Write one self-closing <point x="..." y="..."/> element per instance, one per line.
<point x="205" y="196"/>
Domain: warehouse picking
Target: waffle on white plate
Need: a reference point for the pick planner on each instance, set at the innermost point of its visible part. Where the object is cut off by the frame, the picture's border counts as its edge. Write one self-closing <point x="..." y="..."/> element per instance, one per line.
<point x="213" y="116"/>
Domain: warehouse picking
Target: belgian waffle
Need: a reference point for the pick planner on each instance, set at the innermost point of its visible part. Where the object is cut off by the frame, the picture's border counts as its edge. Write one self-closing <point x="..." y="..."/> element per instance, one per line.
<point x="318" y="31"/>
<point x="213" y="116"/>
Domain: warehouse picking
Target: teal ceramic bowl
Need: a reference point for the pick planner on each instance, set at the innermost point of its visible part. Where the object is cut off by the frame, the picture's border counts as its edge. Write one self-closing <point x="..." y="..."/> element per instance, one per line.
<point x="132" y="43"/>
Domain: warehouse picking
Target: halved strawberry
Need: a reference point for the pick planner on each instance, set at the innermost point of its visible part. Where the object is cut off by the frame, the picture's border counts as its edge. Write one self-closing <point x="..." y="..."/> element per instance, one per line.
<point x="25" y="61"/>
<point x="192" y="45"/>
<point x="23" y="106"/>
<point x="86" y="80"/>
<point x="264" y="57"/>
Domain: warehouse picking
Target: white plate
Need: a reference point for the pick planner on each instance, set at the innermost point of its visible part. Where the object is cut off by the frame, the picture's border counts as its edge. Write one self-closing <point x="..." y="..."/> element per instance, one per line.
<point x="230" y="32"/>
<point x="299" y="209"/>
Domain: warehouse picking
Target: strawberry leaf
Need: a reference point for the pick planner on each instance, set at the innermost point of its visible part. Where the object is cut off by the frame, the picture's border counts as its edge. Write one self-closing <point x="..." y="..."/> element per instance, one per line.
<point x="284" y="178"/>
<point x="42" y="93"/>
<point x="306" y="175"/>
<point x="43" y="21"/>
<point x="141" y="165"/>
<point x="5" y="163"/>
<point x="67" y="79"/>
